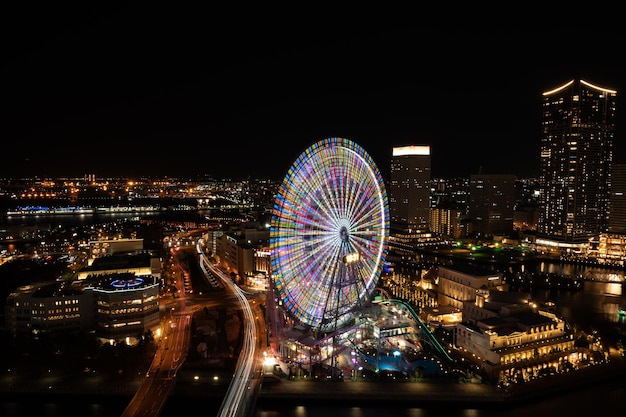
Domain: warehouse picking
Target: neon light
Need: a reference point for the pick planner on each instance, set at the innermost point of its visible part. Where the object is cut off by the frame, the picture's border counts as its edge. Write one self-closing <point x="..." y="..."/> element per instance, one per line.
<point x="127" y="283"/>
<point x="605" y="90"/>
<point x="547" y="93"/>
<point x="588" y="84"/>
<point x="331" y="204"/>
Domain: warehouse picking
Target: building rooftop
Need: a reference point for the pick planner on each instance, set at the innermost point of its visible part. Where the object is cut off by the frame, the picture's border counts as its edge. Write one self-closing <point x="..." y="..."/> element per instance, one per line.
<point x="120" y="261"/>
<point x="471" y="270"/>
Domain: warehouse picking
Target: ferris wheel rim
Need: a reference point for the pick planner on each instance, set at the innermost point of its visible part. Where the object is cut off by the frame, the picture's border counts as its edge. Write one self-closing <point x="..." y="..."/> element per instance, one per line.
<point x="332" y="203"/>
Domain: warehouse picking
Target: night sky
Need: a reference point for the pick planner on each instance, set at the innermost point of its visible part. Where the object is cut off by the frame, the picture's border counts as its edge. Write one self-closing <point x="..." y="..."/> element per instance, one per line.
<point x="138" y="89"/>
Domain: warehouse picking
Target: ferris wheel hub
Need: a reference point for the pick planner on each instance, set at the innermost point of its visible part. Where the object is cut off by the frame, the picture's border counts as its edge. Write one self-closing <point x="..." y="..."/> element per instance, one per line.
<point x="343" y="234"/>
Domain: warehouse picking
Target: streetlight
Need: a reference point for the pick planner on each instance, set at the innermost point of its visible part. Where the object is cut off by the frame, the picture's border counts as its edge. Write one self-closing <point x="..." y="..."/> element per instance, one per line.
<point x="348" y="259"/>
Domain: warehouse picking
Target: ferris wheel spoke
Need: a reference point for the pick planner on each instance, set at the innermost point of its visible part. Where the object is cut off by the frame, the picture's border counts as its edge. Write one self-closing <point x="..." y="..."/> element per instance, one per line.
<point x="367" y="213"/>
<point x="355" y="191"/>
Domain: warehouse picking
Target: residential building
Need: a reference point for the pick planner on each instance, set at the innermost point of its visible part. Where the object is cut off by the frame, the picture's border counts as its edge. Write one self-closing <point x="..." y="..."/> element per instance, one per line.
<point x="578" y="126"/>
<point x="49" y="307"/>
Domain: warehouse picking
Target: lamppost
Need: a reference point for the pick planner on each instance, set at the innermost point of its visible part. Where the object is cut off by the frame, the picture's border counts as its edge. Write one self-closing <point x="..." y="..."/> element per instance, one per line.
<point x="344" y="279"/>
<point x="353" y="357"/>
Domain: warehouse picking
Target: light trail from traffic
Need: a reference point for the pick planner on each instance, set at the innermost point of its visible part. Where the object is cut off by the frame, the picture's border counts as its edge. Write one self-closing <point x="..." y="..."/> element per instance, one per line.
<point x="240" y="398"/>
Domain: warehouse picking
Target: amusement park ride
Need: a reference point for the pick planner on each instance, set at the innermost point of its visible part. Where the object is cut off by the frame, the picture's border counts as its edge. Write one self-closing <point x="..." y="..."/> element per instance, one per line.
<point x="328" y="239"/>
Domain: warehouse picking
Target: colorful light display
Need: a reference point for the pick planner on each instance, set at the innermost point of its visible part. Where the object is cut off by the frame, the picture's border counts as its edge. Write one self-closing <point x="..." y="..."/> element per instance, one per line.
<point x="329" y="233"/>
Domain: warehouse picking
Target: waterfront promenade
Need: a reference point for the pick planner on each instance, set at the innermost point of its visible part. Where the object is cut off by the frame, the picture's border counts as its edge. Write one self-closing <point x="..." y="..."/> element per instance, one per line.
<point x="347" y="393"/>
<point x="452" y="393"/>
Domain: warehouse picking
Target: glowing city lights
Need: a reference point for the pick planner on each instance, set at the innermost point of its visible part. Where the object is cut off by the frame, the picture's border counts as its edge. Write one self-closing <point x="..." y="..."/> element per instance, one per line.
<point x="331" y="206"/>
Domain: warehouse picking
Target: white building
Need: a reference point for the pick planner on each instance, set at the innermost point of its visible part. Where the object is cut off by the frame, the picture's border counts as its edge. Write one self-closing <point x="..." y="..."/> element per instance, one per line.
<point x="457" y="284"/>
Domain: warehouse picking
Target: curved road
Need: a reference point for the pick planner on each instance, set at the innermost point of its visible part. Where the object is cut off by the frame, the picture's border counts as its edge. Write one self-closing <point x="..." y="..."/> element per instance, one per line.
<point x="244" y="387"/>
<point x="240" y="398"/>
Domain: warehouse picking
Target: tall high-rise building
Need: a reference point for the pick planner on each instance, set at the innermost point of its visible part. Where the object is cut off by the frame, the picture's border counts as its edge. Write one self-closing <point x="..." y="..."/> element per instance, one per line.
<point x="409" y="190"/>
<point x="578" y="124"/>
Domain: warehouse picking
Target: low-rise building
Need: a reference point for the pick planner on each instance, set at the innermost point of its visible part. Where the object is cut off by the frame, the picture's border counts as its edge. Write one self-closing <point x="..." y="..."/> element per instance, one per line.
<point x="126" y="305"/>
<point x="457" y="284"/>
<point x="49" y="307"/>
<point x="117" y="306"/>
<point x="513" y="339"/>
<point x="139" y="263"/>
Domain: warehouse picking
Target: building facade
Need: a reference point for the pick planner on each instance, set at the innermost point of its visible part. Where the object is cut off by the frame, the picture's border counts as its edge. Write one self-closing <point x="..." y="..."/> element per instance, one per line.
<point x="517" y="344"/>
<point x="409" y="189"/>
<point x="448" y="222"/>
<point x="139" y="263"/>
<point x="106" y="247"/>
<point x="578" y="124"/>
<point x="117" y="306"/>
<point x="49" y="307"/>
<point x="492" y="204"/>
<point x="126" y="306"/>
<point x="617" y="199"/>
<point x="460" y="283"/>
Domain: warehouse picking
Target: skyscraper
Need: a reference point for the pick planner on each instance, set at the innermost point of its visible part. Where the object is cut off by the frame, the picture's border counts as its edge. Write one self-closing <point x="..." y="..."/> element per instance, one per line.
<point x="409" y="191"/>
<point x="578" y="123"/>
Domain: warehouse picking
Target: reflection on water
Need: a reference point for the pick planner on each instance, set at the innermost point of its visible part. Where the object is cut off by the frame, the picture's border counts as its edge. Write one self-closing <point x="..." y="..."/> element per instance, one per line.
<point x="613" y="288"/>
<point x="582" y="271"/>
<point x="596" y="306"/>
<point x="582" y="402"/>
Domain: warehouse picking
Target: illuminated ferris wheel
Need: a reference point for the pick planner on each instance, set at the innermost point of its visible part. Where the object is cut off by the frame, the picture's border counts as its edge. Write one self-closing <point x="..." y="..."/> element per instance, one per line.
<point x="329" y="233"/>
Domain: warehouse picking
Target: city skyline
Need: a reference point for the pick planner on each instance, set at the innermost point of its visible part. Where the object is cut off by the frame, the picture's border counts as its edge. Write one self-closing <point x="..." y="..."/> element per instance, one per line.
<point x="130" y="91"/>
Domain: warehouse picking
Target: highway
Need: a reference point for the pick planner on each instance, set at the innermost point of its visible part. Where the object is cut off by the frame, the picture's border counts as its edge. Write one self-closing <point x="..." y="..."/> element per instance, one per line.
<point x="241" y="396"/>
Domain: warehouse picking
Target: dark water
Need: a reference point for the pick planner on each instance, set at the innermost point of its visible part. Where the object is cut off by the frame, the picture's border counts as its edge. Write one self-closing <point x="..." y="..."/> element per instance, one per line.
<point x="44" y="408"/>
<point x="608" y="399"/>
<point x="109" y="407"/>
<point x="45" y="221"/>
<point x="50" y="223"/>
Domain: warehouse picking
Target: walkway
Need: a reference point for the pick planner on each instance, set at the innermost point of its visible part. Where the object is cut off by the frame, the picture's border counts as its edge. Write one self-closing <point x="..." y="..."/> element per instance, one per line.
<point x="422" y="393"/>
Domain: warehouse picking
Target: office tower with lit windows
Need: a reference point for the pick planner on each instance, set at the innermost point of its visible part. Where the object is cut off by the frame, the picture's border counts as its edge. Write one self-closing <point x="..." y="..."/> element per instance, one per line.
<point x="612" y="245"/>
<point x="492" y="204"/>
<point x="578" y="124"/>
<point x="409" y="190"/>
<point x="617" y="199"/>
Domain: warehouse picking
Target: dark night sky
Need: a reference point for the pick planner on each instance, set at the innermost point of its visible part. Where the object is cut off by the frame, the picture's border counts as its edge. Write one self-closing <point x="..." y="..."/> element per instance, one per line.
<point x="141" y="90"/>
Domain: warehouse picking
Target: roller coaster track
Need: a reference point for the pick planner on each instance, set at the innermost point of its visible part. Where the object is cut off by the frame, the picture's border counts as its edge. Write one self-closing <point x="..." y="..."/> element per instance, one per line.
<point x="425" y="330"/>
